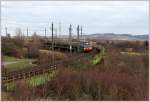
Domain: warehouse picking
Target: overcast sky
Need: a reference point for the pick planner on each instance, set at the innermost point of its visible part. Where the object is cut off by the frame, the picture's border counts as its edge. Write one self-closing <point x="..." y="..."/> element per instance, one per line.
<point x="129" y="17"/>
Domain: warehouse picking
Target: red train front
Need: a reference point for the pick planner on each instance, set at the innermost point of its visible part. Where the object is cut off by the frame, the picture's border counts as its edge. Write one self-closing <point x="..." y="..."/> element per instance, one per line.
<point x="87" y="47"/>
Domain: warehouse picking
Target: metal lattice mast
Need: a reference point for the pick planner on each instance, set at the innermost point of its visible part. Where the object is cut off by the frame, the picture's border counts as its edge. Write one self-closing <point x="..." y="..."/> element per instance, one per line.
<point x="70" y="32"/>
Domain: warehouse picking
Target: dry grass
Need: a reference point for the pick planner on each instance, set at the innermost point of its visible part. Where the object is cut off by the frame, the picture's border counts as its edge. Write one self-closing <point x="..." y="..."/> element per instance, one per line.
<point x="45" y="56"/>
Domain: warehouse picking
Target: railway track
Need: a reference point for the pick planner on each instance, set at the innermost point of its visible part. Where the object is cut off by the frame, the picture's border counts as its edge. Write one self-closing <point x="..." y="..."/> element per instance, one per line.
<point x="32" y="71"/>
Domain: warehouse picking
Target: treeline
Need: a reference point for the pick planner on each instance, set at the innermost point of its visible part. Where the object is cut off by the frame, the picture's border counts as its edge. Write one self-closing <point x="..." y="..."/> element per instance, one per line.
<point x="20" y="46"/>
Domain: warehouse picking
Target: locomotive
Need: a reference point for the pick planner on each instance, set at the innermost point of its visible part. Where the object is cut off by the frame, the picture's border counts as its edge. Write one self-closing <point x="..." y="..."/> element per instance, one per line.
<point x="87" y="47"/>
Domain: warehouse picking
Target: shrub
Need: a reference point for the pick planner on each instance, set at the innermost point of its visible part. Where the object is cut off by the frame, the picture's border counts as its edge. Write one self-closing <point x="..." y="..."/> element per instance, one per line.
<point x="22" y="92"/>
<point x="10" y="48"/>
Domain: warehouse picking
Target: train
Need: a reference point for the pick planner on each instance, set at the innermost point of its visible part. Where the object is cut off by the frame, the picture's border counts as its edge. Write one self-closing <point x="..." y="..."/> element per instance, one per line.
<point x="74" y="46"/>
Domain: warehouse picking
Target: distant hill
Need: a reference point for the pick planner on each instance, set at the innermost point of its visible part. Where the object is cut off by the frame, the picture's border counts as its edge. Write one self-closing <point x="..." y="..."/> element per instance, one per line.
<point x="112" y="36"/>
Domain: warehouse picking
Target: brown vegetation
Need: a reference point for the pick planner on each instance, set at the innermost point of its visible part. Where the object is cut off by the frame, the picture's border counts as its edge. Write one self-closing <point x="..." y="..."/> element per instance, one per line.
<point x="45" y="56"/>
<point x="34" y="46"/>
<point x="122" y="77"/>
<point x="12" y="47"/>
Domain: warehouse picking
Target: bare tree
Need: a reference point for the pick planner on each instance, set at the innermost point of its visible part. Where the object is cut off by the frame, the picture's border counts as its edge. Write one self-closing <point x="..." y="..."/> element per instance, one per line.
<point x="19" y="33"/>
<point x="34" y="46"/>
<point x="19" y="38"/>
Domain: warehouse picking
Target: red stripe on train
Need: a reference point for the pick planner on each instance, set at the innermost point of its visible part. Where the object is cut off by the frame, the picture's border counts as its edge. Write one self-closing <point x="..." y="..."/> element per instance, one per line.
<point x="88" y="49"/>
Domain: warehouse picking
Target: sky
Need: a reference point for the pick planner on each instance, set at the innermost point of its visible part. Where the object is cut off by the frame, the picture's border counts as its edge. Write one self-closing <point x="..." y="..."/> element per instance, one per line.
<point x="122" y="17"/>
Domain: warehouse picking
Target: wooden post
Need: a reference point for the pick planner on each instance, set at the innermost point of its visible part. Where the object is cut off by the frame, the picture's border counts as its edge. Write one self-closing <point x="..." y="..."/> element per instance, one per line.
<point x="24" y="75"/>
<point x="29" y="74"/>
<point x="13" y="78"/>
<point x="19" y="76"/>
<point x="43" y="71"/>
<point x="33" y="73"/>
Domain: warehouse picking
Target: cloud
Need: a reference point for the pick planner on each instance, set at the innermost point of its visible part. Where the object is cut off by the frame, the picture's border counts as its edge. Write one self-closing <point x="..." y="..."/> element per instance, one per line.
<point x="95" y="16"/>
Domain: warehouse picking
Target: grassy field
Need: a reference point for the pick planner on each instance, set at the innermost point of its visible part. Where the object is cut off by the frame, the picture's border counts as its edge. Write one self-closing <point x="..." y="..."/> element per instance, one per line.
<point x="33" y="81"/>
<point x="98" y="57"/>
<point x="41" y="79"/>
<point x="132" y="53"/>
<point x="10" y="86"/>
<point x="19" y="63"/>
<point x="9" y="59"/>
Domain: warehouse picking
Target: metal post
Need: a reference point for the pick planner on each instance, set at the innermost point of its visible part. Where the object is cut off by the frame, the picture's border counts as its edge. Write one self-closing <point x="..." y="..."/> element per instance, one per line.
<point x="22" y="36"/>
<point x="81" y="30"/>
<point x="27" y="32"/>
<point x="70" y="31"/>
<point x="55" y="33"/>
<point x="45" y="32"/>
<point x="78" y="32"/>
<point x="6" y="31"/>
<point x="78" y="36"/>
<point x="52" y="45"/>
<point x="59" y="29"/>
